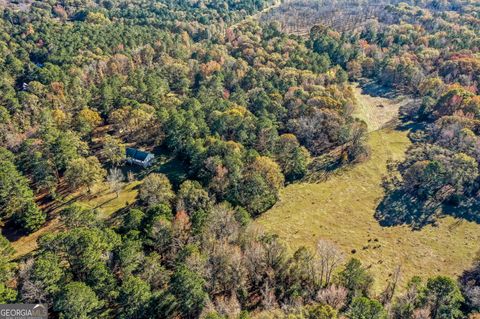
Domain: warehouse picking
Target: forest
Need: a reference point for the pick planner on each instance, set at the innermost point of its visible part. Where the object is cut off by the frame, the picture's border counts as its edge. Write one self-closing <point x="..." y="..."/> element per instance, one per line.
<point x="242" y="108"/>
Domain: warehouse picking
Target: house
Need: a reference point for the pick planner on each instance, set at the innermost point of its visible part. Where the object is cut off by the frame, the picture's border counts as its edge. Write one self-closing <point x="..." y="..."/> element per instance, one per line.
<point x="138" y="157"/>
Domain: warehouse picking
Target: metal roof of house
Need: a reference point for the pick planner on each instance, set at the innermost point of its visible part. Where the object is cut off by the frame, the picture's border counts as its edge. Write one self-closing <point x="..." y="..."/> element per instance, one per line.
<point x="136" y="154"/>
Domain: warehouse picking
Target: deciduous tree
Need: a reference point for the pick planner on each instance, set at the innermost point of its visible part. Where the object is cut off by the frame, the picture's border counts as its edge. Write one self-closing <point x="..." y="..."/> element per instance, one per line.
<point x="156" y="189"/>
<point x="84" y="172"/>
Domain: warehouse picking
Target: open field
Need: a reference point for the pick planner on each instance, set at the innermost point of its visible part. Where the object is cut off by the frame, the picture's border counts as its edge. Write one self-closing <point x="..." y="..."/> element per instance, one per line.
<point x="341" y="210"/>
<point x="377" y="111"/>
<point x="27" y="244"/>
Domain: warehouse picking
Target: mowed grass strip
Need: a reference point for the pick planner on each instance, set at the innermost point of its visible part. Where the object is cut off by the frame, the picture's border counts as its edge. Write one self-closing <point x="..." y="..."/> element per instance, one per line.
<point x="342" y="210"/>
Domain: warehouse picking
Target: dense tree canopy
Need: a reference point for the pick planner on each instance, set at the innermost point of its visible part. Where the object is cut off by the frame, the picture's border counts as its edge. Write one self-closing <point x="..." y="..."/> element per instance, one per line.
<point x="239" y="108"/>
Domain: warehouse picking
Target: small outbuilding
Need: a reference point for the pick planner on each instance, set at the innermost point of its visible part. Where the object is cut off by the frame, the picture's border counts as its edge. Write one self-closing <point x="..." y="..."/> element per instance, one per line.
<point x="135" y="156"/>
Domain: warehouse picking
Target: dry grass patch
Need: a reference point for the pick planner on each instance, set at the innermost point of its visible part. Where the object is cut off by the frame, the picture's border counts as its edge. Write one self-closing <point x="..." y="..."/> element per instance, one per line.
<point x="26" y="244"/>
<point x="377" y="111"/>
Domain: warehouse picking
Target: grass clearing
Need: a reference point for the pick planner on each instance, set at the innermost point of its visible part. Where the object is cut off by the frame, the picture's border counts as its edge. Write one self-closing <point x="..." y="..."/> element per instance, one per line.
<point x="26" y="244"/>
<point x="377" y="111"/>
<point x="342" y="210"/>
<point x="107" y="202"/>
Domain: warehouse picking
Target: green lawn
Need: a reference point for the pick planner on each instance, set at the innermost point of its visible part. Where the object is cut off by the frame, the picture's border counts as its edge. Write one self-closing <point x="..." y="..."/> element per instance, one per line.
<point x="107" y="202"/>
<point x="342" y="208"/>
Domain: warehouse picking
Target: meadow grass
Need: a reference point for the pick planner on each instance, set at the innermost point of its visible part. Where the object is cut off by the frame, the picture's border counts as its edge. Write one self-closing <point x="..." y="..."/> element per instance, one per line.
<point x="342" y="210"/>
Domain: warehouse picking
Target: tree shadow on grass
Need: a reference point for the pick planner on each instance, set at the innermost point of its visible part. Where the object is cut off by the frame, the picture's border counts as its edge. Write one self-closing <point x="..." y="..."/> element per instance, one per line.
<point x="401" y="208"/>
<point x="375" y="89"/>
<point x="468" y="209"/>
<point x="116" y="218"/>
